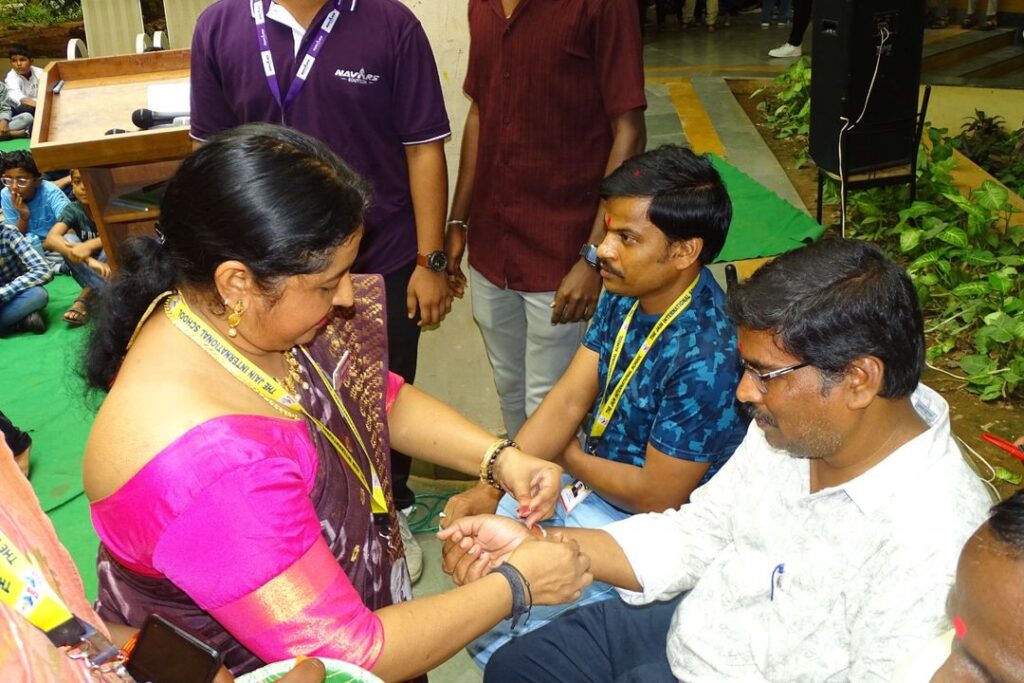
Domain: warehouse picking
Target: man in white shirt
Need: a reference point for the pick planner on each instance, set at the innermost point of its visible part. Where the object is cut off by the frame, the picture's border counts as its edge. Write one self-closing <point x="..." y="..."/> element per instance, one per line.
<point x="22" y="80"/>
<point x="824" y="549"/>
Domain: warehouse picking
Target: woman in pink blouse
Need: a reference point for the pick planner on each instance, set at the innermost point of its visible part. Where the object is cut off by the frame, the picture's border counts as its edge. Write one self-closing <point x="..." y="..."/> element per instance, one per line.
<point x="238" y="466"/>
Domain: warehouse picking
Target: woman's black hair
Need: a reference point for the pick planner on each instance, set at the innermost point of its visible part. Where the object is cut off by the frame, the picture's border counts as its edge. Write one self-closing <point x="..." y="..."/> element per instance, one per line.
<point x="270" y="197"/>
<point x="688" y="198"/>
<point x="833" y="302"/>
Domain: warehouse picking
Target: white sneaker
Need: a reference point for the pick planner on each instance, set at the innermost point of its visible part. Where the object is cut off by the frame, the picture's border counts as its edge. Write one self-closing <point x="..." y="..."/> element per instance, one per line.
<point x="413" y="551"/>
<point x="765" y="24"/>
<point x="786" y="50"/>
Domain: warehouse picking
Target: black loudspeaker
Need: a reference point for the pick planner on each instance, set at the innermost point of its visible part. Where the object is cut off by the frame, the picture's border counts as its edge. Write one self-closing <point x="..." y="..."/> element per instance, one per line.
<point x="847" y="35"/>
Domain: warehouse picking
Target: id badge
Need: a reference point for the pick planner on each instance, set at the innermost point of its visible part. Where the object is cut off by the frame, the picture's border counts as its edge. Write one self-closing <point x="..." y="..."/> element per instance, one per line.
<point x="573" y="494"/>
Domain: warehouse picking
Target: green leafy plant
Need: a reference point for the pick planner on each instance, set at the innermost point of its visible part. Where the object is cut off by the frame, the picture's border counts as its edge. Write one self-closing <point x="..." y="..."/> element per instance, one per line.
<point x="964" y="258"/>
<point x="962" y="253"/>
<point x="786" y="106"/>
<point x="988" y="143"/>
<point x="39" y="12"/>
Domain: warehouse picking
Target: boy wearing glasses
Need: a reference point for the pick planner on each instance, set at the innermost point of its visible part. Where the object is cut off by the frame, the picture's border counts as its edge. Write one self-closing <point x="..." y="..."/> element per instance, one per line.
<point x="31" y="204"/>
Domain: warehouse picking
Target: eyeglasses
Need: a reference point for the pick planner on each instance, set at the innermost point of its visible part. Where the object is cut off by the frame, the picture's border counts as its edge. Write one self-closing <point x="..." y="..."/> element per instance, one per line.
<point x="17" y="182"/>
<point x="761" y="379"/>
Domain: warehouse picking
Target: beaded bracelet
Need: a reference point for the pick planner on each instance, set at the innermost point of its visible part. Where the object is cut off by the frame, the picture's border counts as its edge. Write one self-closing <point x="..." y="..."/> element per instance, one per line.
<point x="522" y="595"/>
<point x="491" y="457"/>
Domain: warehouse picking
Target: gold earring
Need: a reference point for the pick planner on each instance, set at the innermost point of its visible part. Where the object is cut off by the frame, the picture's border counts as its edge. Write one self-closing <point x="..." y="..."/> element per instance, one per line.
<point x="234" y="318"/>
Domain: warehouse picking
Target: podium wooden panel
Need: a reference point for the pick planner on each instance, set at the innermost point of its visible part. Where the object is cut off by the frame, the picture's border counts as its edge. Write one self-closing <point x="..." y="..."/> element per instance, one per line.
<point x="99" y="95"/>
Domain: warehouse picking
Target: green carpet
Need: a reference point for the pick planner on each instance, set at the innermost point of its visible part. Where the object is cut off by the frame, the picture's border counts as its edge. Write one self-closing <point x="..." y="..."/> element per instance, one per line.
<point x="763" y="224"/>
<point x="47" y="398"/>
<point x="14" y="145"/>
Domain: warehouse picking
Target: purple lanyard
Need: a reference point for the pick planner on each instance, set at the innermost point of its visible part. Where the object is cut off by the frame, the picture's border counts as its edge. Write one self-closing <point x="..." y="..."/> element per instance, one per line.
<point x="307" y="61"/>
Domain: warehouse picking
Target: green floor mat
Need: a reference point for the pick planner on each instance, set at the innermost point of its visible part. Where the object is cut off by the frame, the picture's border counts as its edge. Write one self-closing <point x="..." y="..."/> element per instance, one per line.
<point x="14" y="145"/>
<point x="763" y="224"/>
<point x="45" y="397"/>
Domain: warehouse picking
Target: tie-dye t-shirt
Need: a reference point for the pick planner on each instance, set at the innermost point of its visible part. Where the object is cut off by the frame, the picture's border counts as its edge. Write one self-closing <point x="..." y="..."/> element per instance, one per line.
<point x="682" y="399"/>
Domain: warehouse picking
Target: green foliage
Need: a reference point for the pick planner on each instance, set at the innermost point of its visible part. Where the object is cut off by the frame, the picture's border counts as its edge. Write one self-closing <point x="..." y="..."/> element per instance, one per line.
<point x="987" y="142"/>
<point x="964" y="258"/>
<point x="21" y="13"/>
<point x="786" y="106"/>
<point x="965" y="261"/>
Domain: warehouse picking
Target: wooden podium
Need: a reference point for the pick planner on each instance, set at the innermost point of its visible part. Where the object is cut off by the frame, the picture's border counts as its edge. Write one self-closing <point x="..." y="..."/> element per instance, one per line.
<point x="99" y="95"/>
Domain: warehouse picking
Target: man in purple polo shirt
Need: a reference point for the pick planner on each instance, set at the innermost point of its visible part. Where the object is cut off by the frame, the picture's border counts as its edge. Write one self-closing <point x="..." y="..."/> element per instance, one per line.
<point x="372" y="93"/>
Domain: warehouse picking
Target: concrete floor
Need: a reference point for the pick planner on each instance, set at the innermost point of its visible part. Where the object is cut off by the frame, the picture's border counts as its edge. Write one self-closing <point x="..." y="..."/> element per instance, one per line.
<point x="689" y="102"/>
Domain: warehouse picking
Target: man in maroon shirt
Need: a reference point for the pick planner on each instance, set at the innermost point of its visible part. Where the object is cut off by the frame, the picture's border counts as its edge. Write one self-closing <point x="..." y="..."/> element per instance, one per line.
<point x="558" y="100"/>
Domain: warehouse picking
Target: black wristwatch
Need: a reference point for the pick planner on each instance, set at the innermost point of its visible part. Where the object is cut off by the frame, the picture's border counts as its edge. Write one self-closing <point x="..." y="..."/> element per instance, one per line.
<point x="588" y="252"/>
<point x="436" y="261"/>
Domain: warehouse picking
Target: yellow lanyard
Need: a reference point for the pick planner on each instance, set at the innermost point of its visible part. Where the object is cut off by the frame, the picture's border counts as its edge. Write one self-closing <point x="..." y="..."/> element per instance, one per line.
<point x="24" y="589"/>
<point x="249" y="374"/>
<point x="609" y="403"/>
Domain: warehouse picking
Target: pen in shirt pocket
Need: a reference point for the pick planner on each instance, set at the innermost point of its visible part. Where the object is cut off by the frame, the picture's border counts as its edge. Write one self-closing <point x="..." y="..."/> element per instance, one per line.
<point x="776" y="580"/>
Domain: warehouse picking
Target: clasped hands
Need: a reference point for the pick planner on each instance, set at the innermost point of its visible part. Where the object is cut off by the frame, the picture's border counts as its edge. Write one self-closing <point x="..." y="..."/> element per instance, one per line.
<point x="554" y="565"/>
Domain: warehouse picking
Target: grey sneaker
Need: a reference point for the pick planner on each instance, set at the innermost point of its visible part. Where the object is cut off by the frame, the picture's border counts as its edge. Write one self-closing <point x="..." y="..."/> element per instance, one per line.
<point x="413" y="551"/>
<point x="786" y="50"/>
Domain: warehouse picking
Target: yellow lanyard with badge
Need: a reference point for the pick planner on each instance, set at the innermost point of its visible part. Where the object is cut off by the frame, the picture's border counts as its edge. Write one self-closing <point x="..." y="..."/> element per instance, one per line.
<point x="575" y="492"/>
<point x="245" y="371"/>
<point x="24" y="588"/>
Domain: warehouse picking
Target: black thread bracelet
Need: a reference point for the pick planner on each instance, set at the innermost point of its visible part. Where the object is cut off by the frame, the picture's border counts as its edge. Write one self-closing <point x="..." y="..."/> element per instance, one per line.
<point x="522" y="595"/>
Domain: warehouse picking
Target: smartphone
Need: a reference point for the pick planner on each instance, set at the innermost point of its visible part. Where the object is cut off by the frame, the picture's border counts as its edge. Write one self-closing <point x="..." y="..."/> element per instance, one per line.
<point x="167" y="653"/>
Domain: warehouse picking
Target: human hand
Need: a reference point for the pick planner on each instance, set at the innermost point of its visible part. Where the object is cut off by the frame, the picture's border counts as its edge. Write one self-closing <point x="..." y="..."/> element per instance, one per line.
<point x="475" y="545"/>
<point x="479" y="500"/>
<point x="1019" y="443"/>
<point x="20" y="205"/>
<point x="577" y="295"/>
<point x="4" y="125"/>
<point x="533" y="482"/>
<point x="455" y="248"/>
<point x="99" y="267"/>
<point x="78" y="252"/>
<point x="429" y="292"/>
<point x="555" y="567"/>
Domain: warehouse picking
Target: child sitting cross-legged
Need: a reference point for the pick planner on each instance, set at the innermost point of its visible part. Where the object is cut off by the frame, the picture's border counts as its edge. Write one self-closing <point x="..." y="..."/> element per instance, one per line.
<point x="74" y="237"/>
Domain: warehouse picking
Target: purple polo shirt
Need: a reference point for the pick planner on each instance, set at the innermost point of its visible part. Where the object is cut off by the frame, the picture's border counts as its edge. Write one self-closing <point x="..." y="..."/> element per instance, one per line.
<point x="373" y="90"/>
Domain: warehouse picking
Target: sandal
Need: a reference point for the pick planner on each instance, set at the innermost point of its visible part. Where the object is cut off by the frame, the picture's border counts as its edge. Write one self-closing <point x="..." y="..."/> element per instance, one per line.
<point x="78" y="314"/>
<point x="968" y="22"/>
<point x="991" y="22"/>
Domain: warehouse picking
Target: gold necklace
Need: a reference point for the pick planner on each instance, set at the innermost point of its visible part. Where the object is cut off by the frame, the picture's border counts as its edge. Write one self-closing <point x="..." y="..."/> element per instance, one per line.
<point x="293" y="378"/>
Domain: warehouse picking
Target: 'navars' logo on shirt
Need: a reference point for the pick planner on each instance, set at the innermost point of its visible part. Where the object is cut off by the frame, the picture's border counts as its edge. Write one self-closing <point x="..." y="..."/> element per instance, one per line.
<point x="360" y="77"/>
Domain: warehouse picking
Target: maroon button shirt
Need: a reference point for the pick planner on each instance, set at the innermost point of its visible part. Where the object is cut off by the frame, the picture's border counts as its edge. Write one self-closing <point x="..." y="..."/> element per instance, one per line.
<point x="547" y="82"/>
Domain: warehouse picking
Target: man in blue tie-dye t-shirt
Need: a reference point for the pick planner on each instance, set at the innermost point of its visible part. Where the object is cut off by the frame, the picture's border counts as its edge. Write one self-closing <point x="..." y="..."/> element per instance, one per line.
<point x="652" y="389"/>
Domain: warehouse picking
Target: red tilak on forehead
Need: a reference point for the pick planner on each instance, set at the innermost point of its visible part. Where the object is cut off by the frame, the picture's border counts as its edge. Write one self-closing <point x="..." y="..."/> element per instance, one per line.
<point x="608" y="219"/>
<point x="959" y="627"/>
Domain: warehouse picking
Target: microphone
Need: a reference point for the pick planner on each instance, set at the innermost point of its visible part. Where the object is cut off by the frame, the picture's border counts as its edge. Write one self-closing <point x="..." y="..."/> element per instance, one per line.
<point x="147" y="118"/>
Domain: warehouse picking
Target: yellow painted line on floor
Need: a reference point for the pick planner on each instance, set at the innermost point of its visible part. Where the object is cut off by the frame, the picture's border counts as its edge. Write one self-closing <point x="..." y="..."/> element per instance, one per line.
<point x="697" y="125"/>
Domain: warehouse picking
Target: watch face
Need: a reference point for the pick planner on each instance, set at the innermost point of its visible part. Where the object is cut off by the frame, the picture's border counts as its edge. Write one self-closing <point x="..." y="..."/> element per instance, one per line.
<point x="589" y="254"/>
<point x="437" y="261"/>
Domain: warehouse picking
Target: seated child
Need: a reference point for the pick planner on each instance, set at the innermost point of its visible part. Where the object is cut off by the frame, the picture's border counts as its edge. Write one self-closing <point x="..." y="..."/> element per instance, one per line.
<point x="22" y="80"/>
<point x="31" y="204"/>
<point x="22" y="274"/>
<point x="74" y="237"/>
<point x="11" y="125"/>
